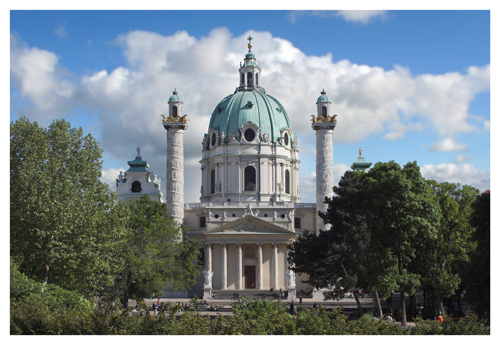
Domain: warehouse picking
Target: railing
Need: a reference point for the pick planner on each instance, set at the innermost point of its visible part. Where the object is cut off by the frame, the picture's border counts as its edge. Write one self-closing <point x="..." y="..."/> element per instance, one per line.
<point x="242" y="204"/>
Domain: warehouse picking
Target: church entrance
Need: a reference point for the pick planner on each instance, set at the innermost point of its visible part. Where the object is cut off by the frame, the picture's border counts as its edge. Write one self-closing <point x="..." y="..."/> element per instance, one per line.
<point x="249" y="277"/>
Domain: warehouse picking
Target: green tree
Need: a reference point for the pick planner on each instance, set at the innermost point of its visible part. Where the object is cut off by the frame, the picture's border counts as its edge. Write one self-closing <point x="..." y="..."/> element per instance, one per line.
<point x="439" y="262"/>
<point x="66" y="225"/>
<point x="477" y="275"/>
<point x="402" y="213"/>
<point x="334" y="258"/>
<point x="152" y="254"/>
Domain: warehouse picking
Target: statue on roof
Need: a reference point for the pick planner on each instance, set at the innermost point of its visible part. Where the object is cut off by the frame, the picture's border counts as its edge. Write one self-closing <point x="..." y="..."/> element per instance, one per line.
<point x="360" y="152"/>
<point x="138" y="151"/>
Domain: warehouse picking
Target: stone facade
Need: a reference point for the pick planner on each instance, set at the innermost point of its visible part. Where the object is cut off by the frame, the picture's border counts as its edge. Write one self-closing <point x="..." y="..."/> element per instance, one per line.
<point x="249" y="209"/>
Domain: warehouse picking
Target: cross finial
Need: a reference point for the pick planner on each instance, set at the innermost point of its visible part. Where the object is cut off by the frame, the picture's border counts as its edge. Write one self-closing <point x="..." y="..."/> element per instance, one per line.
<point x="249" y="42"/>
<point x="138" y="151"/>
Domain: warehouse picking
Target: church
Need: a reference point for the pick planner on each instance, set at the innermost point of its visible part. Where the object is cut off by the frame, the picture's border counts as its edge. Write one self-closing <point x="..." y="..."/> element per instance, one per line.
<point x="249" y="209"/>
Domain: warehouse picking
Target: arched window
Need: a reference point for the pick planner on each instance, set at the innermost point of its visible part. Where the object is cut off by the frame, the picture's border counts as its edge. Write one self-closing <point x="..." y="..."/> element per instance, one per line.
<point x="323" y="111"/>
<point x="242" y="78"/>
<point x="256" y="78"/>
<point x="212" y="181"/>
<point x="250" y="179"/>
<point x="250" y="79"/>
<point x="174" y="111"/>
<point x="287" y="181"/>
<point x="136" y="187"/>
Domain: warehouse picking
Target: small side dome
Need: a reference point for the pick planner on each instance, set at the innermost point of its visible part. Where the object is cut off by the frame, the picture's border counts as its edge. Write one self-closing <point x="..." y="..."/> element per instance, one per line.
<point x="175" y="98"/>
<point x="323" y="98"/>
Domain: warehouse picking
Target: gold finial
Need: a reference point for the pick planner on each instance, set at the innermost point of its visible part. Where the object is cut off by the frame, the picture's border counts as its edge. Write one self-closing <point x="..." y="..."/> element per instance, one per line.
<point x="249" y="42"/>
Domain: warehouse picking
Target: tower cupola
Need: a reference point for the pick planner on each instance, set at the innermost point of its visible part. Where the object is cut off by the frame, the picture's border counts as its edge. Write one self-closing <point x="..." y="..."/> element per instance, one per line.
<point x="323" y="105"/>
<point x="250" y="71"/>
<point x="175" y="105"/>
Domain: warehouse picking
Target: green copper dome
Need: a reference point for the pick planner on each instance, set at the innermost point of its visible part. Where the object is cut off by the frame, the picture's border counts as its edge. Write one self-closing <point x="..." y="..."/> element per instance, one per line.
<point x="138" y="165"/>
<point x="323" y="98"/>
<point x="251" y="105"/>
<point x="175" y="98"/>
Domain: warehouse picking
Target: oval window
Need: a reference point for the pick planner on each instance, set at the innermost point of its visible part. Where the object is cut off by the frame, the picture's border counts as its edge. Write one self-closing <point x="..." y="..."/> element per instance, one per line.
<point x="286" y="139"/>
<point x="249" y="135"/>
<point x="214" y="137"/>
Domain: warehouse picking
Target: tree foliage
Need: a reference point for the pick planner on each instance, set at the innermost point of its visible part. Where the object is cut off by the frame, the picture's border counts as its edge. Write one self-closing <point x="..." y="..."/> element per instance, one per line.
<point x="152" y="255"/>
<point x="477" y="273"/>
<point x="440" y="262"/>
<point x="65" y="223"/>
<point x="402" y="214"/>
<point x="334" y="259"/>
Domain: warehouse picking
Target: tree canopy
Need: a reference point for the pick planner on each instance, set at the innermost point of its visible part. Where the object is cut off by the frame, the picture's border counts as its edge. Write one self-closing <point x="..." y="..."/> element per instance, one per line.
<point x="152" y="255"/>
<point x="392" y="231"/>
<point x="66" y="225"/>
<point x="477" y="273"/>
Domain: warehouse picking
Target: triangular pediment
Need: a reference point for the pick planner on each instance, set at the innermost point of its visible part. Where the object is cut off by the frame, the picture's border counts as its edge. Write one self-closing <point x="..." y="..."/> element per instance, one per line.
<point x="250" y="224"/>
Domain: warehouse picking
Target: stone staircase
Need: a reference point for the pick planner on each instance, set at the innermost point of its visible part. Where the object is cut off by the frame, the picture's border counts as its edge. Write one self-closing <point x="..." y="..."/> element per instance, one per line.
<point x="228" y="294"/>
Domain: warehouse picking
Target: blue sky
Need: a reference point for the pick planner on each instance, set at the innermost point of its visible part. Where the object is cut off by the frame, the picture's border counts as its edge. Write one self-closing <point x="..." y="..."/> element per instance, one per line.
<point x="407" y="85"/>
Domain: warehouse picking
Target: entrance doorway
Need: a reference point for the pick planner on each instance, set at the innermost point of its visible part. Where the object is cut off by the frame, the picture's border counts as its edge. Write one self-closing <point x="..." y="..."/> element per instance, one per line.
<point x="249" y="277"/>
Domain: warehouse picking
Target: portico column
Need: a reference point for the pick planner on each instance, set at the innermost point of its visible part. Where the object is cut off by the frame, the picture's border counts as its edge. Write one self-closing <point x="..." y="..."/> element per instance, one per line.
<point x="238" y="266"/>
<point x="208" y="258"/>
<point x="224" y="266"/>
<point x="275" y="264"/>
<point x="259" y="266"/>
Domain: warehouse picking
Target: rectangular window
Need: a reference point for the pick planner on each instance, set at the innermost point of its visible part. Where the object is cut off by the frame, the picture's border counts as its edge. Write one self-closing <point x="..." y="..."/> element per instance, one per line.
<point x="297" y="222"/>
<point x="203" y="222"/>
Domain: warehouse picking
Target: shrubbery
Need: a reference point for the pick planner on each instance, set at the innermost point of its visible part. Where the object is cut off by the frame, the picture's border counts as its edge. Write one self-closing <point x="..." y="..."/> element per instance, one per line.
<point x="38" y="309"/>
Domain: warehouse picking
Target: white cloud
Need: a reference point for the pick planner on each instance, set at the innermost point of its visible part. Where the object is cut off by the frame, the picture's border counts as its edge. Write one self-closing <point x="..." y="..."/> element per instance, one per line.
<point x="129" y="100"/>
<point x="461" y="158"/>
<point x="308" y="182"/>
<point x="361" y="16"/>
<point x="465" y="174"/>
<point x="60" y="30"/>
<point x="109" y="176"/>
<point x="35" y="73"/>
<point x="446" y="145"/>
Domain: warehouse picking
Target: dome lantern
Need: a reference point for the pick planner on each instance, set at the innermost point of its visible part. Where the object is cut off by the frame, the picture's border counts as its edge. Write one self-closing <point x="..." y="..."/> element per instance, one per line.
<point x="250" y="71"/>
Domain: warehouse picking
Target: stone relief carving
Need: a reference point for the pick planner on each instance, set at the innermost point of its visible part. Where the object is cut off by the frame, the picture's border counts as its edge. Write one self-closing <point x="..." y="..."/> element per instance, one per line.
<point x="266" y="138"/>
<point x="233" y="138"/>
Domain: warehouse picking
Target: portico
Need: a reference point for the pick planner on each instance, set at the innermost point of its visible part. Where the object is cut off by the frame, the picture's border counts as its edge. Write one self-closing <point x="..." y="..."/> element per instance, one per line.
<point x="248" y="254"/>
